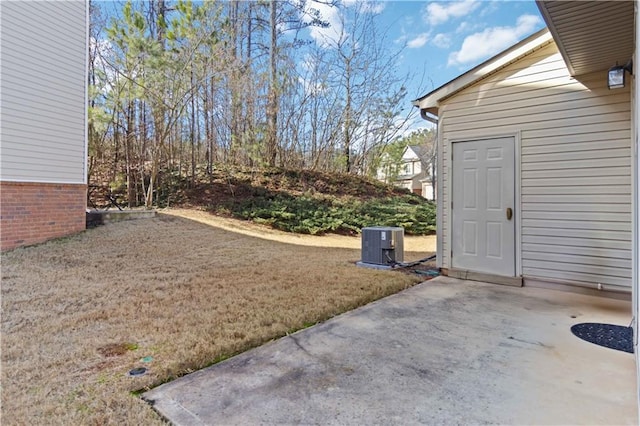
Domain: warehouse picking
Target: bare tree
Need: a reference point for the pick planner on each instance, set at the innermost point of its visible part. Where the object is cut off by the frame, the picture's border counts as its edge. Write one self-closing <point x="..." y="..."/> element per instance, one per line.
<point x="178" y="86"/>
<point x="370" y="90"/>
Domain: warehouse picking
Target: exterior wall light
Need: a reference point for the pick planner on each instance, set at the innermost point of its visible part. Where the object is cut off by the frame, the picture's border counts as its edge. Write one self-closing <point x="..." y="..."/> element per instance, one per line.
<point x="616" y="76"/>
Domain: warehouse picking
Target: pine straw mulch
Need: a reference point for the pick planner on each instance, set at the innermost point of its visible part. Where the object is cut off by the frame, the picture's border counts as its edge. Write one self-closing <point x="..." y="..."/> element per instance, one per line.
<point x="170" y="294"/>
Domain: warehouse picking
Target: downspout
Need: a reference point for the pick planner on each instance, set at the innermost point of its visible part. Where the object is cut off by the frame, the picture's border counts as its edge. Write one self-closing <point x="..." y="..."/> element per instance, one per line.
<point x="635" y="253"/>
<point x="429" y="117"/>
<point x="635" y="121"/>
<point x="432" y="118"/>
<point x="87" y="31"/>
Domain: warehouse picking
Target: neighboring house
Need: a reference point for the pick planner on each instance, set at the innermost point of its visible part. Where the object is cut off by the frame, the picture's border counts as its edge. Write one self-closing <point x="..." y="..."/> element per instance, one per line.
<point x="538" y="171"/>
<point x="43" y="150"/>
<point x="413" y="172"/>
<point x="413" y="169"/>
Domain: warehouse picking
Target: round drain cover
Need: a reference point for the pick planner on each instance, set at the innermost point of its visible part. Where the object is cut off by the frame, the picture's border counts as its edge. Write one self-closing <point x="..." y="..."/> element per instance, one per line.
<point x="608" y="335"/>
<point x="137" y="371"/>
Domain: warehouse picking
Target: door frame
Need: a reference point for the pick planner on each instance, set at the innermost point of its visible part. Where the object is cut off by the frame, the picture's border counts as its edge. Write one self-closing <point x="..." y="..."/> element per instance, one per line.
<point x="517" y="216"/>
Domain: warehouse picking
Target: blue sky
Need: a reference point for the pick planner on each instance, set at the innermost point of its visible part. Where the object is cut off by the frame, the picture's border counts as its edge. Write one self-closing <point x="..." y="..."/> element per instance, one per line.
<point x="447" y="38"/>
<point x="441" y="39"/>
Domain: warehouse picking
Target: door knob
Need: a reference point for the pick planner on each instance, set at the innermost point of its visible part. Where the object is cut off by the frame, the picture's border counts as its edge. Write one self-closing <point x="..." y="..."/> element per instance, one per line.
<point x="509" y="213"/>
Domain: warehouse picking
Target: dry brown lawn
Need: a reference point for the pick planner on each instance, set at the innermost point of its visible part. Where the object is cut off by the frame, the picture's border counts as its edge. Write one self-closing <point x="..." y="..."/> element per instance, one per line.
<point x="186" y="289"/>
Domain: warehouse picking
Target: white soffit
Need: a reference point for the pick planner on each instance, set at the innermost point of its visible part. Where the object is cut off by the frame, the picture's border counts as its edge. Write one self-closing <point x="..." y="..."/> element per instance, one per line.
<point x="591" y="35"/>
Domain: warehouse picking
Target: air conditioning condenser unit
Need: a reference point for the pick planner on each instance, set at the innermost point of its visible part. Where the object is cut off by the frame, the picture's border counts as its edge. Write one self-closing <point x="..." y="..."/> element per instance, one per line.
<point x="382" y="245"/>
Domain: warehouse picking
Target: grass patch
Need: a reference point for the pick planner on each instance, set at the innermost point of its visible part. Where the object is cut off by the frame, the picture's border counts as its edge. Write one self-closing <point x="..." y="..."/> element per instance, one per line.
<point x="78" y="314"/>
<point x="116" y="349"/>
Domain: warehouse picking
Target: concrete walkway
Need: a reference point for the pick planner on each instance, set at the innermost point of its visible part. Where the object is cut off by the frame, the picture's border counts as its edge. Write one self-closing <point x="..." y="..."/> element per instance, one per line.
<point x="444" y="352"/>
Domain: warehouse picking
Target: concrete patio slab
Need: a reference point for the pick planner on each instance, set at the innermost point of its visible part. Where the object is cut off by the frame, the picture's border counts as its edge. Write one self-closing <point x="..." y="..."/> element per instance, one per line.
<point x="444" y="352"/>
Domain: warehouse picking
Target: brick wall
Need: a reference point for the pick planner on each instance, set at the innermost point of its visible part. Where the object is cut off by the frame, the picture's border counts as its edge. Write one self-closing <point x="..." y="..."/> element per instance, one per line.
<point x="32" y="213"/>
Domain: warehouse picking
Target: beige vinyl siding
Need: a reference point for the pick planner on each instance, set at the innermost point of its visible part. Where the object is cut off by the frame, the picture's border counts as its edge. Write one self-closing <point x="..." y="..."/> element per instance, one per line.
<point x="42" y="83"/>
<point x="575" y="165"/>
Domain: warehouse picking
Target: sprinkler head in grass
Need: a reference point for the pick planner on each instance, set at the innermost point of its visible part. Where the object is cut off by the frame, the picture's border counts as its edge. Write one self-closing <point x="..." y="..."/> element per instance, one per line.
<point x="136" y="372"/>
<point x="146" y="359"/>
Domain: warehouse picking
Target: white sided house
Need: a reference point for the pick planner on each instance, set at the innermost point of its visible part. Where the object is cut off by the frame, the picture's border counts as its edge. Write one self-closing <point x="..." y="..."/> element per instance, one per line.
<point x="414" y="169"/>
<point x="538" y="170"/>
<point x="535" y="181"/>
<point x="413" y="172"/>
<point x="43" y="149"/>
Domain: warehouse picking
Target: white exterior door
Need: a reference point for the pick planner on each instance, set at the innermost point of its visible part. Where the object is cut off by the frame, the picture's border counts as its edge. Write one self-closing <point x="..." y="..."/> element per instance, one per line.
<point x="483" y="216"/>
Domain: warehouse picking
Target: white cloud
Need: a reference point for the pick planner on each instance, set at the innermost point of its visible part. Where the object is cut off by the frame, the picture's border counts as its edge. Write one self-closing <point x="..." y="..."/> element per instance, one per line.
<point x="443" y="41"/>
<point x="105" y="73"/>
<point x="467" y="27"/>
<point x="374" y="7"/>
<point x="401" y="39"/>
<point x="490" y="7"/>
<point x="438" y="13"/>
<point x="418" y="41"/>
<point x="312" y="87"/>
<point x="333" y="15"/>
<point x="329" y="14"/>
<point x="489" y="42"/>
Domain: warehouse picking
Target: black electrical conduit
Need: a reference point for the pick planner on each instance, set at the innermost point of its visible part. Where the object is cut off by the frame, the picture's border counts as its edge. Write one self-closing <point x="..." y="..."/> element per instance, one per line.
<point x="395" y="264"/>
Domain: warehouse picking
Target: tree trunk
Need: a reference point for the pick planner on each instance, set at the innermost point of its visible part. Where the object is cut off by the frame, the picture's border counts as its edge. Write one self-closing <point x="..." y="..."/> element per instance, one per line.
<point x="272" y="105"/>
<point x="129" y="141"/>
<point x="193" y="134"/>
<point x="235" y="86"/>
<point x="347" y="134"/>
<point x="148" y="201"/>
<point x="208" y="124"/>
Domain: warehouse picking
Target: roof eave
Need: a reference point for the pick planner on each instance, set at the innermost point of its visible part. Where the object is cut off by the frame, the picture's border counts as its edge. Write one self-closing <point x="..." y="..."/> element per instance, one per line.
<point x="591" y="36"/>
<point x="554" y="33"/>
<point x="429" y="103"/>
